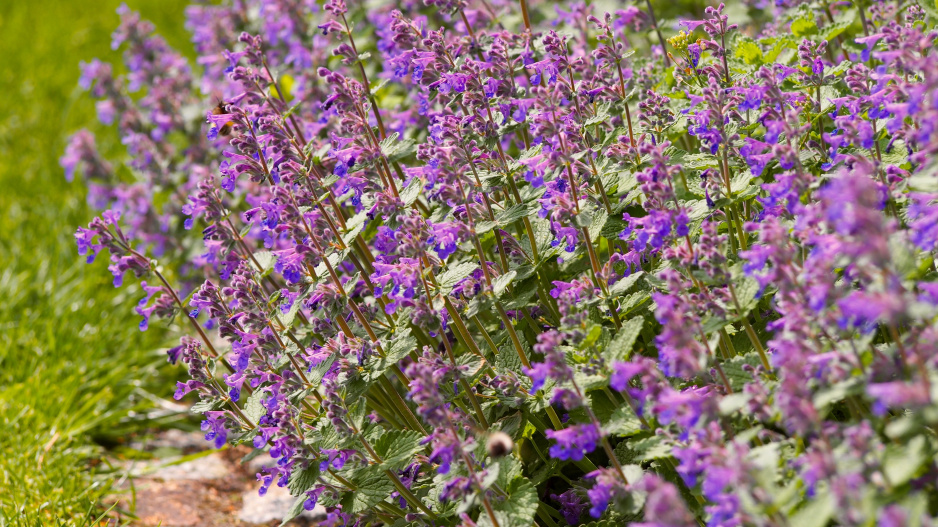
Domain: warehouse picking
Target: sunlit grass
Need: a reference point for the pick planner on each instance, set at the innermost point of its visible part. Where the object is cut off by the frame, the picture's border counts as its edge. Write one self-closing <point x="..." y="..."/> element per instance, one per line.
<point x="72" y="363"/>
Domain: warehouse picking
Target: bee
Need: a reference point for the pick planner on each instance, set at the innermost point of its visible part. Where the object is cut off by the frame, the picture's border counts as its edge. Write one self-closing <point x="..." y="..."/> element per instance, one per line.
<point x="221" y="109"/>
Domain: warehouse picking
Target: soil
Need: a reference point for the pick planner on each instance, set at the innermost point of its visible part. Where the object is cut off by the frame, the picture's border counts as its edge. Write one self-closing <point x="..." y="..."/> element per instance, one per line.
<point x="214" y="490"/>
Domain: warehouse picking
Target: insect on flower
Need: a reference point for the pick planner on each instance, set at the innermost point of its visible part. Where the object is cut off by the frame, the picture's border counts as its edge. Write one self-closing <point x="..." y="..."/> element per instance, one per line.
<point x="221" y="109"/>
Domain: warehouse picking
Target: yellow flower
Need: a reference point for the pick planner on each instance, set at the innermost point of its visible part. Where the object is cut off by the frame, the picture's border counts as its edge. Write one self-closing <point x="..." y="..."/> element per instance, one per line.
<point x="680" y="41"/>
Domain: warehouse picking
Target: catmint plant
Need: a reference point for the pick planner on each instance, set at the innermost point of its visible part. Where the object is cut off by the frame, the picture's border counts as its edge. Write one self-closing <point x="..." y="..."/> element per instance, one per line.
<point x="497" y="263"/>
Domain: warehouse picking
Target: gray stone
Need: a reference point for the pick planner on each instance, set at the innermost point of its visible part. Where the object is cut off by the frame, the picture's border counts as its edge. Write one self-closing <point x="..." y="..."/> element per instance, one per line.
<point x="272" y="506"/>
<point x="172" y="438"/>
<point x="211" y="466"/>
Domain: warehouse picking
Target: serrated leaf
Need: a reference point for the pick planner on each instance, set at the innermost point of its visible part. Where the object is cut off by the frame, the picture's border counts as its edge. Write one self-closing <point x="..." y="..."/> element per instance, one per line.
<point x="265" y="259"/>
<point x="515" y="213"/>
<point x="620" y="348"/>
<point x="832" y="31"/>
<point x="254" y="407"/>
<point x="803" y="26"/>
<point x="454" y="274"/>
<point x="509" y="469"/>
<point x="502" y="282"/>
<point x="396" y="350"/>
<point x="411" y="192"/>
<point x="517" y="510"/>
<point x="749" y="52"/>
<point x="303" y="479"/>
<point x="602" y="115"/>
<point x="396" y="149"/>
<point x="354" y="226"/>
<point x="373" y="485"/>
<point x="507" y="360"/>
<point x="613" y="227"/>
<point x="651" y="448"/>
<point x="207" y="405"/>
<point x="511" y="424"/>
<point x="397" y="448"/>
<point x="596" y="224"/>
<point x="290" y="316"/>
<point x="735" y="374"/>
<point x="521" y="295"/>
<point x="623" y="285"/>
<point x="746" y="291"/>
<point x="733" y="402"/>
<point x="697" y="161"/>
<point x="623" y="422"/>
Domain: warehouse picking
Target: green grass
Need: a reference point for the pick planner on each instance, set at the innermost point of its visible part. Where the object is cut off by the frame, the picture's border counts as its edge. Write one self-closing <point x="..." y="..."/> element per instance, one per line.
<point x="73" y="366"/>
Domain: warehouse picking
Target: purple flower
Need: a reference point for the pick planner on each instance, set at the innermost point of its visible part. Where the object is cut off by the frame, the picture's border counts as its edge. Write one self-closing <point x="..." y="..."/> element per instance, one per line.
<point x="215" y="428"/>
<point x="572" y="506"/>
<point x="574" y="442"/>
<point x="608" y="488"/>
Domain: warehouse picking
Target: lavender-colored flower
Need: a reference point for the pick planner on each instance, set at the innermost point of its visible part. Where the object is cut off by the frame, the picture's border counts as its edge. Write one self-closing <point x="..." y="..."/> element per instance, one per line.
<point x="574" y="442"/>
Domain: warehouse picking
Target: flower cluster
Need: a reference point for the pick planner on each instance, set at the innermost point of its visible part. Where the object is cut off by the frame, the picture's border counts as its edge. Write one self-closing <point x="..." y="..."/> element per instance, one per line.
<point x="505" y="263"/>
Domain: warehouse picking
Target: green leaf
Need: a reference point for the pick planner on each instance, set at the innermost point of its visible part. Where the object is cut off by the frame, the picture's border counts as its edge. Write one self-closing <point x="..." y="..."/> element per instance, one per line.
<point x="832" y="31"/>
<point x="375" y="88"/>
<point x="623" y="422"/>
<point x="207" y="405"/>
<point x="838" y="392"/>
<point x="373" y="486"/>
<point x="396" y="350"/>
<point x="395" y="149"/>
<point x="734" y="371"/>
<point x="454" y="274"/>
<point x="602" y="115"/>
<point x="515" y="213"/>
<point x="625" y="284"/>
<point x="778" y="45"/>
<point x="303" y="479"/>
<point x="397" y="448"/>
<point x="517" y="510"/>
<point x="509" y="469"/>
<point x="501" y="283"/>
<point x="507" y="360"/>
<point x="817" y="513"/>
<point x="652" y="448"/>
<point x="592" y="337"/>
<point x="290" y="316"/>
<point x="265" y="259"/>
<point x="521" y="295"/>
<point x="411" y="192"/>
<point x="597" y="222"/>
<point x="254" y="408"/>
<point x="746" y="291"/>
<point x="749" y="52"/>
<point x="354" y="226"/>
<point x="803" y="26"/>
<point x="621" y="346"/>
<point x="510" y="424"/>
<point x="613" y="226"/>
<point x="697" y="161"/>
<point x="902" y="462"/>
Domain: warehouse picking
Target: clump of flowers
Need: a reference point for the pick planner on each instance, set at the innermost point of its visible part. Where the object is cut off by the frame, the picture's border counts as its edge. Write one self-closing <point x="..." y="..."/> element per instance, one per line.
<point x="484" y="262"/>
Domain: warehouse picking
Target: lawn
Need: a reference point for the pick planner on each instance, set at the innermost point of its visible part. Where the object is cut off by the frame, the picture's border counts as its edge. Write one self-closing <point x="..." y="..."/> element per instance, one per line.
<point x="74" y="370"/>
